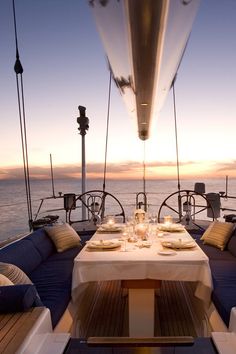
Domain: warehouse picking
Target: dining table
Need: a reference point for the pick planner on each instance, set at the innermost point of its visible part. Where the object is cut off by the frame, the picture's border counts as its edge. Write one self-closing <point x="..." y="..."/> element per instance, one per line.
<point x="141" y="265"/>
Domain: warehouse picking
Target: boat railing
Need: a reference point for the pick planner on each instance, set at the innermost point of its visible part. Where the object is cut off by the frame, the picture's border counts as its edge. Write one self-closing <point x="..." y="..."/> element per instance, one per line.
<point x="12" y="239"/>
<point x="140" y="199"/>
<point x="149" y="201"/>
<point x="50" y="205"/>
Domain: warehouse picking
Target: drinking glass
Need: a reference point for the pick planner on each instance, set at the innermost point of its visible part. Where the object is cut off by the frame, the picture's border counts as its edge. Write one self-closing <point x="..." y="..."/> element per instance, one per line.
<point x="153" y="218"/>
<point x="125" y="237"/>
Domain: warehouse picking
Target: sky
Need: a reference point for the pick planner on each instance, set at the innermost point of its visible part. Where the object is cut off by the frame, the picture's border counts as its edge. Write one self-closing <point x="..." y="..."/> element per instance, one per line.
<point x="65" y="66"/>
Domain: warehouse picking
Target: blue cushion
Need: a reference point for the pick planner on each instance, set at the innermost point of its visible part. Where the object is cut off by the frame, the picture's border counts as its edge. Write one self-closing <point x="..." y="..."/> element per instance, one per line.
<point x="215" y="253"/>
<point x="50" y="271"/>
<point x="18" y="298"/>
<point x="223" y="270"/>
<point x="223" y="273"/>
<point x="224" y="299"/>
<point x="53" y="281"/>
<point x="224" y="284"/>
<point x="42" y="243"/>
<point x="212" y="252"/>
<point x="23" y="254"/>
<point x="69" y="254"/>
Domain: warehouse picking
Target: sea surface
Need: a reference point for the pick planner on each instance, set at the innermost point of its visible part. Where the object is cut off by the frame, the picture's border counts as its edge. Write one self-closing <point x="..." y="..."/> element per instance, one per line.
<point x="13" y="207"/>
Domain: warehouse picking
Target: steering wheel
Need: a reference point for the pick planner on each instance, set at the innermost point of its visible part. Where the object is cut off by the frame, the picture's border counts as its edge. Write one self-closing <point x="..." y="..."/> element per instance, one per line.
<point x="184" y="205"/>
<point x="97" y="204"/>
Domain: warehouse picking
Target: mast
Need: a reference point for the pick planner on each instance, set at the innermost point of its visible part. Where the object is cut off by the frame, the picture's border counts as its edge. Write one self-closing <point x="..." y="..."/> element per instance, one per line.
<point x="83" y="122"/>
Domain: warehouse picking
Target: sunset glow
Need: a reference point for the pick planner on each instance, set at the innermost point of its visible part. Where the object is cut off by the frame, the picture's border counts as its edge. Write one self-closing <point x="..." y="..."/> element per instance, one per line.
<point x="65" y="66"/>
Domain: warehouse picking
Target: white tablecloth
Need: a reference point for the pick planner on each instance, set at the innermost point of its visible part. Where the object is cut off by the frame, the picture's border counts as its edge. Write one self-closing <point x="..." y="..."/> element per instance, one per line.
<point x="143" y="263"/>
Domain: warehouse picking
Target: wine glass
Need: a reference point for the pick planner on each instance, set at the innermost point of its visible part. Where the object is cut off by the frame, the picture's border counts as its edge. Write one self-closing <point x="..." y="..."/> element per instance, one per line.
<point x="153" y="218"/>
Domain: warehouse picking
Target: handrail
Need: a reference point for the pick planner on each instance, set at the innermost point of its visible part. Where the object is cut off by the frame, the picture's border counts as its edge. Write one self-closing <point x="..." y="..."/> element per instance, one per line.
<point x="143" y="203"/>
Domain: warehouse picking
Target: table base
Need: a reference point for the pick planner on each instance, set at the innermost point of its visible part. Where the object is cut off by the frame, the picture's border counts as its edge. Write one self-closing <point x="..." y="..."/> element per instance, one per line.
<point x="141" y="294"/>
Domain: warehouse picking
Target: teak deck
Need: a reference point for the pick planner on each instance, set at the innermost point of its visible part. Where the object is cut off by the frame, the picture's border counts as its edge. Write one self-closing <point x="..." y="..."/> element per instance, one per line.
<point x="108" y="312"/>
<point x="14" y="327"/>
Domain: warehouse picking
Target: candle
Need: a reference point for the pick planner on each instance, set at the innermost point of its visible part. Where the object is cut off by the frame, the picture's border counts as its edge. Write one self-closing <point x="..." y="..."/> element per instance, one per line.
<point x="141" y="231"/>
<point x="168" y="219"/>
<point x="110" y="221"/>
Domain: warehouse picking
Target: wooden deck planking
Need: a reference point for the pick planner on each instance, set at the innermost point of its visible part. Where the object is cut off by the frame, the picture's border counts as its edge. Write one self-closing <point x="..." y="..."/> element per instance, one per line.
<point x="173" y="311"/>
<point x="15" y="327"/>
<point x="109" y="312"/>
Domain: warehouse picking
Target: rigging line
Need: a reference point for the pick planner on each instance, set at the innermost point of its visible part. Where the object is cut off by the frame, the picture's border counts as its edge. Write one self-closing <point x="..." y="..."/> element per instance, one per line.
<point x="21" y="106"/>
<point x="144" y="167"/>
<point x="15" y="31"/>
<point x="52" y="177"/>
<point x="22" y="141"/>
<point x="176" y="133"/>
<point x="107" y="129"/>
<point x="26" y="147"/>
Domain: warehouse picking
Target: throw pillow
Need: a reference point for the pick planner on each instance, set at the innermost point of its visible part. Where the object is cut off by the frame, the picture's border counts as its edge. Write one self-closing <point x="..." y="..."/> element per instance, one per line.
<point x="14" y="274"/>
<point x="63" y="236"/>
<point x="218" y="234"/>
<point x="18" y="298"/>
<point x="4" y="280"/>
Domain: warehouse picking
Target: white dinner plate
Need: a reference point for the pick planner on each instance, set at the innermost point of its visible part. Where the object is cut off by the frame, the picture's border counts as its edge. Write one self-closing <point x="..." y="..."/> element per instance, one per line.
<point x="109" y="228"/>
<point x="167" y="253"/>
<point x="103" y="244"/>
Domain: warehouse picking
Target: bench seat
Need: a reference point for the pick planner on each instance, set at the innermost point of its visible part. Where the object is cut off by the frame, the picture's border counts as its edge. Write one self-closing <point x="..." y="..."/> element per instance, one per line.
<point x="223" y="270"/>
<point x="49" y="270"/>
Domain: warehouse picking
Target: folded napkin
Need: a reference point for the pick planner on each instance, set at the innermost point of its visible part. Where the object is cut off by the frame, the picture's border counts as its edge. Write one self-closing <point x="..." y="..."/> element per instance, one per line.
<point x="171" y="227"/>
<point x="142" y="244"/>
<point x="179" y="243"/>
<point x="104" y="231"/>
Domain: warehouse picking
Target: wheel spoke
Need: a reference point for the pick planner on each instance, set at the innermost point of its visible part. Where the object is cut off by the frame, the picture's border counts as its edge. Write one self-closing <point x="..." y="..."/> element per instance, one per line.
<point x="96" y="195"/>
<point x="185" y="199"/>
<point x="199" y="211"/>
<point x="171" y="208"/>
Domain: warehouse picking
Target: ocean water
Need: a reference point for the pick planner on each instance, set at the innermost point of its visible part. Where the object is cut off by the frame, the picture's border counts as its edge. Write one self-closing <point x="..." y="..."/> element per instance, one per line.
<point x="13" y="209"/>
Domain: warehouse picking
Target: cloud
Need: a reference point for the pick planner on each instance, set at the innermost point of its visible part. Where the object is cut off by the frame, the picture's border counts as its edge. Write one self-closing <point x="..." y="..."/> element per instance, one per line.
<point x="226" y="167"/>
<point x="124" y="169"/>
